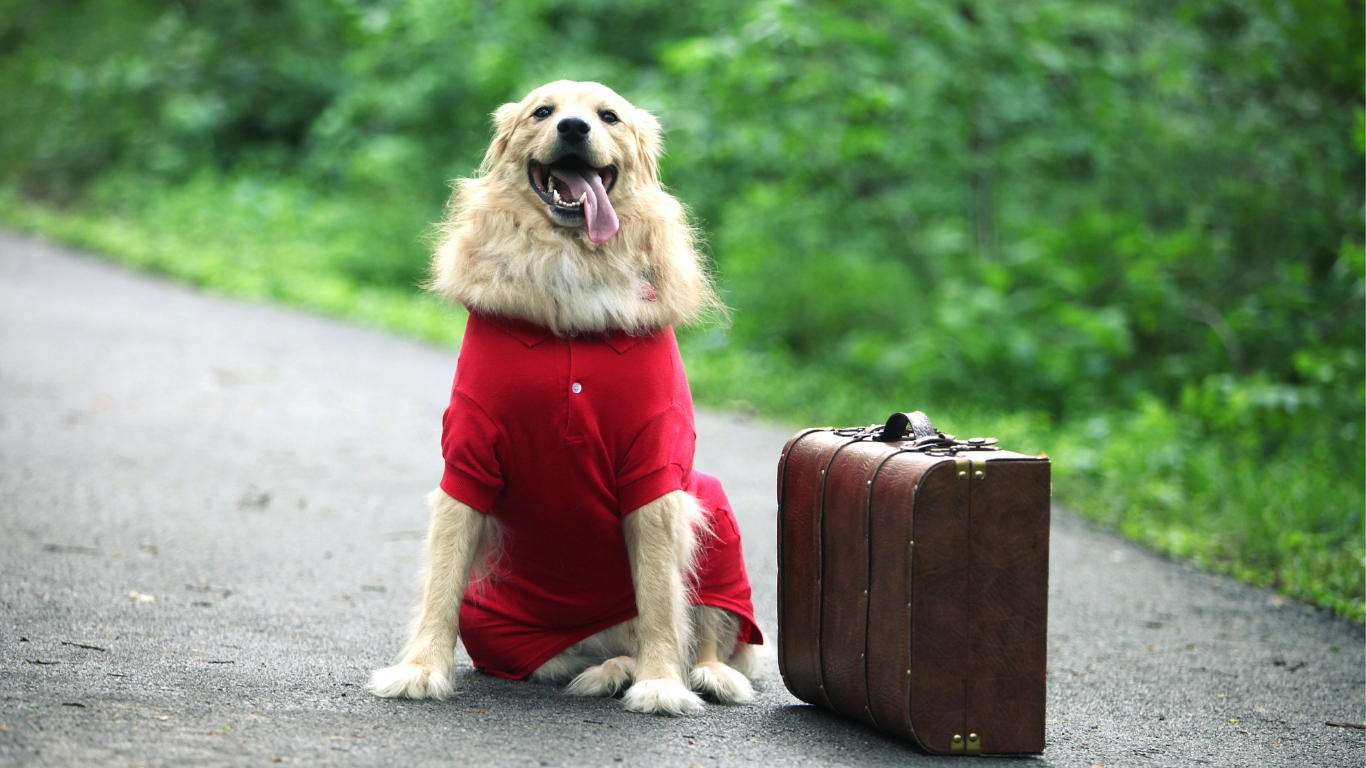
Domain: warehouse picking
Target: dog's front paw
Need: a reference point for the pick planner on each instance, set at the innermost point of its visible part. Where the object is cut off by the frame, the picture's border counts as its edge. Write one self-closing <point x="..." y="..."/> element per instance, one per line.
<point x="662" y="697"/>
<point x="725" y="684"/>
<point x="411" y="681"/>
<point x="605" y="679"/>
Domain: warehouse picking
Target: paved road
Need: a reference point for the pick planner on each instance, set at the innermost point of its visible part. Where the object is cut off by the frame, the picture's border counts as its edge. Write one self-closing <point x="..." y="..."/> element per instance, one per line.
<point x="260" y="472"/>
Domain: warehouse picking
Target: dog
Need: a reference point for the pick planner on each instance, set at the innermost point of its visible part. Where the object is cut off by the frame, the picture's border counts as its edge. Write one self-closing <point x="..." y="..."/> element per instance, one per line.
<point x="570" y="539"/>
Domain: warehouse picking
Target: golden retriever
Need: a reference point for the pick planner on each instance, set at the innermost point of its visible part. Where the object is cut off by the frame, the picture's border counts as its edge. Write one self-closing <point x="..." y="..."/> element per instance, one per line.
<point x="566" y="232"/>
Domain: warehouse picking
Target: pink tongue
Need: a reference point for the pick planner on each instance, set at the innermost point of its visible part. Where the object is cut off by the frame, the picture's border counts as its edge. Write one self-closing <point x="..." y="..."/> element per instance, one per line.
<point x="597" y="210"/>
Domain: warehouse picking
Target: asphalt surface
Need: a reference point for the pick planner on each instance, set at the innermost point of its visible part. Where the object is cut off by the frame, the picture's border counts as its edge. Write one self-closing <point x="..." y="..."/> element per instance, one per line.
<point x="260" y="473"/>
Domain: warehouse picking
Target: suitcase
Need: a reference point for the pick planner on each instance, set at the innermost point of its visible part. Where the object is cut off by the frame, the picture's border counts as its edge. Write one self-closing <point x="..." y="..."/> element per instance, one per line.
<point x="913" y="583"/>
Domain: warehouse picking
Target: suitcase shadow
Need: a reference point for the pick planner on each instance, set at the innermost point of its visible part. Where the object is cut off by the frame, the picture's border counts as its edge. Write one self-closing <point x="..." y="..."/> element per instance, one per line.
<point x="824" y="735"/>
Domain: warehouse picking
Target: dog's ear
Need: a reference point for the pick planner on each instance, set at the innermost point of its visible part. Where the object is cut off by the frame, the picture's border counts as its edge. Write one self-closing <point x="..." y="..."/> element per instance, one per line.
<point x="504" y="122"/>
<point x="649" y="144"/>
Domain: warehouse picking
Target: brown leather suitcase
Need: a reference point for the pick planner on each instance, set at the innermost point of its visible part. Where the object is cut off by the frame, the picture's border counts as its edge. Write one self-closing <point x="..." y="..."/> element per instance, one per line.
<point x="913" y="584"/>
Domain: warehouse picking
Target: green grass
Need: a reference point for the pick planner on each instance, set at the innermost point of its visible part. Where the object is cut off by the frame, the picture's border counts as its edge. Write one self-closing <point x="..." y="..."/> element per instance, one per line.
<point x="271" y="240"/>
<point x="1288" y="520"/>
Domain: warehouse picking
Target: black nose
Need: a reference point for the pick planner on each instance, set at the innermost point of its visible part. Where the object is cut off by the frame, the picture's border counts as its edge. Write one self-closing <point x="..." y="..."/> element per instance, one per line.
<point x="573" y="129"/>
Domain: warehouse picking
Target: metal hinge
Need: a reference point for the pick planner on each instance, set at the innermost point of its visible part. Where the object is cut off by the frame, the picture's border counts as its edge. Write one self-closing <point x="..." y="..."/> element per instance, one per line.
<point x="970" y="747"/>
<point x="965" y="467"/>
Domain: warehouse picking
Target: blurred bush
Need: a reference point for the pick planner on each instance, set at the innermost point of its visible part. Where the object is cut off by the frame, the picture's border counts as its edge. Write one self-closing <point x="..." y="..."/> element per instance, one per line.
<point x="1139" y="222"/>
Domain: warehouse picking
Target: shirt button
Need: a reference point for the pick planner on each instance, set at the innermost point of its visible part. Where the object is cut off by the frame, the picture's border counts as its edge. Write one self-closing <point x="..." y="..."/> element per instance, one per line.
<point x="577" y="387"/>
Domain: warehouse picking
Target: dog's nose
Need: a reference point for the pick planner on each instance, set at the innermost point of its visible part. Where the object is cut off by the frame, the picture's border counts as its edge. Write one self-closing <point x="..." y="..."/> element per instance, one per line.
<point x="573" y="129"/>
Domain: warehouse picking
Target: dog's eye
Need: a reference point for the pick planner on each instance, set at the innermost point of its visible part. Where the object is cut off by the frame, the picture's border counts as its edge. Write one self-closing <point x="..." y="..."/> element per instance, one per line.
<point x="542" y="113"/>
<point x="609" y="117"/>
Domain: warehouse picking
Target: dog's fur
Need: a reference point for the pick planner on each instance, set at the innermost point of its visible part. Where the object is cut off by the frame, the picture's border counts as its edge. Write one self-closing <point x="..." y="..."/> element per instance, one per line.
<point x="505" y="249"/>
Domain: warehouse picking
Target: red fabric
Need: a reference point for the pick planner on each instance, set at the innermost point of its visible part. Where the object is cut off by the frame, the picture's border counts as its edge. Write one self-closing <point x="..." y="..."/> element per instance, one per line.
<point x="558" y="469"/>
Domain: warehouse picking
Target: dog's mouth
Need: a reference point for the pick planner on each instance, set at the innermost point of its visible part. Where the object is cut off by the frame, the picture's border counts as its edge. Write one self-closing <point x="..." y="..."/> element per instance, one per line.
<point x="576" y="191"/>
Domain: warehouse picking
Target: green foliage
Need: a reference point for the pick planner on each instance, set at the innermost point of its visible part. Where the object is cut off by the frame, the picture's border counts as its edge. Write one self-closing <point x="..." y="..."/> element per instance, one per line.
<point x="1131" y="233"/>
<point x="1082" y="202"/>
<point x="165" y="87"/>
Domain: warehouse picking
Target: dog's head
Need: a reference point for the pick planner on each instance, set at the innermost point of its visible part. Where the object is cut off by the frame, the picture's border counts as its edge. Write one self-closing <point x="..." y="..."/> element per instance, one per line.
<point x="566" y="224"/>
<point x="579" y="146"/>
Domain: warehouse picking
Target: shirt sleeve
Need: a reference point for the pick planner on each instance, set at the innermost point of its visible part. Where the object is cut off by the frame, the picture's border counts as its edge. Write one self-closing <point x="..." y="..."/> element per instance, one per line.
<point x="658" y="461"/>
<point x="470" y="442"/>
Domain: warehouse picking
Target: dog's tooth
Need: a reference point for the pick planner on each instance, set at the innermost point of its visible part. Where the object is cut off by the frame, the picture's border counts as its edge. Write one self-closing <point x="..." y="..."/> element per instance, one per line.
<point x="556" y="193"/>
<point x="583" y="198"/>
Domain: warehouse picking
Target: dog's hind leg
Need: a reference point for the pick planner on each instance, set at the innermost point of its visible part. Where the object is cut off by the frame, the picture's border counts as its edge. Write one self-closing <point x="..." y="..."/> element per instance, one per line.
<point x="605" y="679"/>
<point x="742" y="660"/>
<point x="596" y="665"/>
<point x="454" y="539"/>
<point x="600" y="665"/>
<point x="716" y="630"/>
<point x="660" y="542"/>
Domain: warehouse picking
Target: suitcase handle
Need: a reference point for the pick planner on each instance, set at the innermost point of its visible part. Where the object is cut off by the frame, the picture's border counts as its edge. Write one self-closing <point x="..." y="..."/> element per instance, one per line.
<point x="895" y="429"/>
<point x="923" y="437"/>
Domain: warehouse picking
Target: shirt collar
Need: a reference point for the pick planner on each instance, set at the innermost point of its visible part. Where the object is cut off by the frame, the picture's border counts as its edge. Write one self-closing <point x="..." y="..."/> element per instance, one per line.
<point x="528" y="333"/>
<point x="621" y="341"/>
<point x="532" y="334"/>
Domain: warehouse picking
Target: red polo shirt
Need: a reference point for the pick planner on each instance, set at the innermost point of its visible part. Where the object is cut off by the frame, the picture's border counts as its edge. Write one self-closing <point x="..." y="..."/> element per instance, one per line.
<point x="557" y="438"/>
